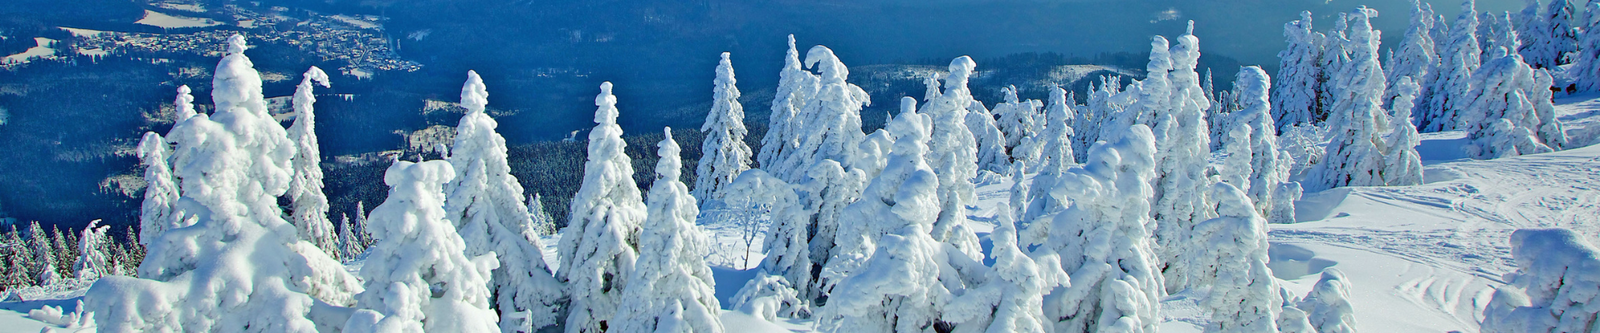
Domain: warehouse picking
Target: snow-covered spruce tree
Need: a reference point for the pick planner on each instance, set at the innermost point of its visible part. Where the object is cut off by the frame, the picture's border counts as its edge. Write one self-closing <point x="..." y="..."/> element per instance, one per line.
<point x="784" y="279"/>
<point x="1503" y="35"/>
<point x="826" y="191"/>
<point x="1269" y="166"/>
<point x="240" y="266"/>
<point x="1553" y="283"/>
<point x="349" y="244"/>
<point x="1402" y="165"/>
<point x="485" y="205"/>
<point x="992" y="155"/>
<point x="671" y="273"/>
<point x="65" y="250"/>
<point x="1531" y="28"/>
<point x="1056" y="159"/>
<point x="44" y="256"/>
<point x="1500" y="90"/>
<point x="1294" y="98"/>
<point x="310" y="205"/>
<point x="1019" y="194"/>
<point x="831" y="118"/>
<point x="953" y="153"/>
<point x="157" y="213"/>
<point x="1335" y="55"/>
<point x="1105" y="236"/>
<point x="418" y="277"/>
<point x="1155" y="92"/>
<point x="1012" y="296"/>
<point x="724" y="154"/>
<point x="1550" y="130"/>
<point x="543" y="224"/>
<point x="600" y="243"/>
<point x="1233" y="263"/>
<point x="1354" y="157"/>
<point x="1180" y="166"/>
<point x="1328" y="307"/>
<point x="855" y="242"/>
<point x="1016" y="118"/>
<point x="1415" y="57"/>
<point x="17" y="271"/>
<point x="1585" y="70"/>
<point x="1560" y="37"/>
<point x="1445" y="93"/>
<point x="796" y="86"/>
<point x="902" y="285"/>
<point x="1106" y="102"/>
<point x="93" y="259"/>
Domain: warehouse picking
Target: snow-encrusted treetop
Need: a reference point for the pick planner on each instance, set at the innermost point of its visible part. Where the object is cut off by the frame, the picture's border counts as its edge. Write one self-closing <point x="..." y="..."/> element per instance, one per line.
<point x="310" y="215"/>
<point x="184" y="103"/>
<point x="671" y="288"/>
<point x="474" y="95"/>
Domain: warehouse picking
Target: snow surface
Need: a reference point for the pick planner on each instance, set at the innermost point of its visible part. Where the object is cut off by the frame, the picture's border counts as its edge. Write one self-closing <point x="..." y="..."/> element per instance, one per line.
<point x="41" y="50"/>
<point x="157" y="19"/>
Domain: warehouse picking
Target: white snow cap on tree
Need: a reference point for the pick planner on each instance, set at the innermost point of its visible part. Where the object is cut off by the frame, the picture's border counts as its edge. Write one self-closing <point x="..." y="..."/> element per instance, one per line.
<point x="1105" y="236"/>
<point x="1057" y="156"/>
<point x="723" y="153"/>
<point x="600" y="243"/>
<point x="1180" y="166"/>
<point x="953" y="153"/>
<point x="1552" y="287"/>
<point x="255" y="272"/>
<point x="1354" y="157"/>
<point x="418" y="277"/>
<point x="831" y="119"/>
<point x="671" y="284"/>
<point x="1402" y="165"/>
<point x="485" y="205"/>
<point x="796" y="86"/>
<point x="1012" y="298"/>
<point x="1294" y="98"/>
<point x="543" y="224"/>
<point x="93" y="261"/>
<point x="1446" y="93"/>
<point x="1328" y="305"/>
<point x="1232" y="261"/>
<point x="159" y="210"/>
<point x="310" y="205"/>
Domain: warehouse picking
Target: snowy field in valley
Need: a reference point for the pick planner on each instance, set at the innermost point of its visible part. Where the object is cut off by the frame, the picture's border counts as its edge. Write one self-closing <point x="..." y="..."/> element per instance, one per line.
<point x="157" y="19"/>
<point x="41" y="50"/>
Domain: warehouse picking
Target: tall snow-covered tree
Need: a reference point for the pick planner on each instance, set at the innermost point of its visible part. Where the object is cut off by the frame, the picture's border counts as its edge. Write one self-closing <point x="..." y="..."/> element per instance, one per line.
<point x="671" y="286"/>
<point x="1233" y="263"/>
<point x="831" y="118"/>
<point x="1550" y="130"/>
<point x="1269" y="165"/>
<point x="1530" y="26"/>
<point x="1402" y="165"/>
<point x="44" y="255"/>
<point x="1560" y="37"/>
<point x="234" y="164"/>
<point x="1354" y="156"/>
<point x="601" y="241"/>
<point x="1551" y="287"/>
<point x="1012" y="297"/>
<point x="723" y="153"/>
<point x="1445" y="93"/>
<point x="1585" y="69"/>
<point x="485" y="205"/>
<point x="1328" y="305"/>
<point x="1335" y="55"/>
<point x="1105" y="240"/>
<point x="1056" y="159"/>
<point x="1416" y="55"/>
<point x="877" y="206"/>
<point x="349" y="244"/>
<point x="953" y="153"/>
<point x="310" y="205"/>
<point x="992" y="155"/>
<point x="827" y="190"/>
<point x="17" y="271"/>
<point x="1501" y="121"/>
<point x="1180" y="166"/>
<point x="543" y="224"/>
<point x="93" y="259"/>
<point x="158" y="211"/>
<point x="796" y="86"/>
<point x="418" y="277"/>
<point x="1294" y="98"/>
<point x="1016" y="118"/>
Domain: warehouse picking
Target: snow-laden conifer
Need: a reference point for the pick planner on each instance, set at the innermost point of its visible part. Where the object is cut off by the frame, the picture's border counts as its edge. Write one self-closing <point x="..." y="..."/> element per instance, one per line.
<point x="1416" y="55"/>
<point x="1104" y="240"/>
<point x="671" y="273"/>
<point x="349" y="245"/>
<point x="1016" y="118"/>
<point x="831" y="118"/>
<point x="485" y="205"/>
<point x="1269" y="165"/>
<point x="953" y="153"/>
<point x="17" y="271"/>
<point x="1585" y="70"/>
<point x="796" y="86"/>
<point x="1445" y="93"/>
<point x="1354" y="157"/>
<point x="1328" y="307"/>
<point x="1500" y="90"/>
<point x="1531" y="28"/>
<point x="1294" y="98"/>
<point x="309" y="205"/>
<point x="158" y="211"/>
<point x="234" y="165"/>
<point x="1335" y="55"/>
<point x="1012" y="296"/>
<point x="1559" y="38"/>
<point x="827" y="190"/>
<point x="723" y="153"/>
<point x="1180" y="166"/>
<point x="1233" y="263"/>
<point x="880" y="201"/>
<point x="600" y="243"/>
<point x="44" y="256"/>
<point x="418" y="277"/>
<point x="1402" y="165"/>
<point x="1550" y="130"/>
<point x="543" y="224"/>
<point x="1552" y="287"/>
<point x="992" y="155"/>
<point x="1056" y="159"/>
<point x="93" y="259"/>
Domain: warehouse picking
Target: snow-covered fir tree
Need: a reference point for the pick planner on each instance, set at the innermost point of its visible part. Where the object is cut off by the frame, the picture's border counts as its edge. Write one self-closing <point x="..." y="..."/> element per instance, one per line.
<point x="1335" y="55"/>
<point x="1550" y="130"/>
<point x="1294" y="98"/>
<point x="992" y="156"/>
<point x="1180" y="165"/>
<point x="1560" y="37"/>
<point x="1016" y="118"/>
<point x="44" y="256"/>
<point x="953" y="153"/>
<point x="485" y="205"/>
<point x="1057" y="156"/>
<point x="1585" y="69"/>
<point x="1530" y="27"/>
<point x="1501" y="120"/>
<point x="1445" y="92"/>
<point x="827" y="190"/>
<point x="1354" y="157"/>
<point x="1402" y="164"/>
<point x="93" y="259"/>
<point x="671" y="288"/>
<point x="1269" y="165"/>
<point x="1327" y="307"/>
<point x="418" y="277"/>
<point x="876" y="208"/>
<point x="601" y="241"/>
<point x="1012" y="297"/>
<point x="543" y="224"/>
<point x="309" y="212"/>
<point x="234" y="165"/>
<point x="1416" y="55"/>
<point x="723" y="153"/>
<point x="1551" y="287"/>
<point x="1105" y="240"/>
<point x="158" y="211"/>
<point x="349" y="244"/>
<point x="831" y="119"/>
<point x="1232" y="262"/>
<point x="1106" y="101"/>
<point x="796" y="86"/>
<point x="17" y="271"/>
